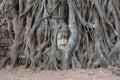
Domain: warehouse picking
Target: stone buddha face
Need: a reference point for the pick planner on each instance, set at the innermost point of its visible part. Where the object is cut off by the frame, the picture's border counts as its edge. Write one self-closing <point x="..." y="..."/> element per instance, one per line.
<point x="62" y="37"/>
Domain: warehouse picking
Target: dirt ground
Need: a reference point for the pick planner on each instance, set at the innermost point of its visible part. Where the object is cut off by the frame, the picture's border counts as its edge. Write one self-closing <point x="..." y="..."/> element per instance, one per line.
<point x="76" y="74"/>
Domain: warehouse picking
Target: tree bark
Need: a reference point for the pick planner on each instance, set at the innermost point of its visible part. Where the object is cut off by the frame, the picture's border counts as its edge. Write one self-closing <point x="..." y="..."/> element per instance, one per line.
<point x="88" y="30"/>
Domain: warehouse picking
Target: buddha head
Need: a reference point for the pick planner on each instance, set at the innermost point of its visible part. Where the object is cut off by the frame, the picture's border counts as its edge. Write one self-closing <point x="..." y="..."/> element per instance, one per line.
<point x="62" y="37"/>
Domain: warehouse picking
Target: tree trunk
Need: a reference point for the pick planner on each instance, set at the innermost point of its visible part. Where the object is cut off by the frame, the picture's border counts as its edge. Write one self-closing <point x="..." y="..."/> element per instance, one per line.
<point x="62" y="34"/>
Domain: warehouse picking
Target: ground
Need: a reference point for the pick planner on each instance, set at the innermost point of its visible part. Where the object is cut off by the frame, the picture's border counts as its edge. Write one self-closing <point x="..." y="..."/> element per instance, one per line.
<point x="76" y="74"/>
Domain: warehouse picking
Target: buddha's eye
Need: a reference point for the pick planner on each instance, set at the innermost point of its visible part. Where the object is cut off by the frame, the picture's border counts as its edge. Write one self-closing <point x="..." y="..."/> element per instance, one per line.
<point x="59" y="36"/>
<point x="63" y="36"/>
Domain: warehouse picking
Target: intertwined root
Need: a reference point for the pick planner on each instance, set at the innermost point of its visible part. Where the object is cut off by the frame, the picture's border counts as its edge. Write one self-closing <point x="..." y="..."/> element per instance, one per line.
<point x="88" y="28"/>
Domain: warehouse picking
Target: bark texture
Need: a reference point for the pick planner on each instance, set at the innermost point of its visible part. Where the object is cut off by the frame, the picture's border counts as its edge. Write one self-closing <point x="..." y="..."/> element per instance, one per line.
<point x="62" y="34"/>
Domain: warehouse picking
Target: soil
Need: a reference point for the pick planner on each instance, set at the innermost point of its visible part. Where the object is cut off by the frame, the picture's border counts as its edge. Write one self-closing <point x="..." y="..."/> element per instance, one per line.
<point x="75" y="74"/>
